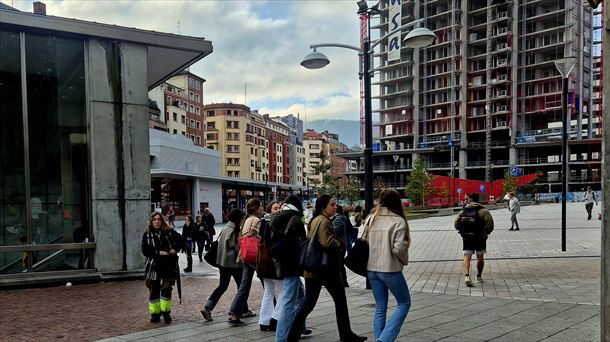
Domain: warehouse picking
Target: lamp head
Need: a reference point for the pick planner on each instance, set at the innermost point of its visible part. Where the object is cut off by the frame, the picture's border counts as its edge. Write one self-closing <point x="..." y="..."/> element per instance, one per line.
<point x="565" y="66"/>
<point x="362" y="6"/>
<point x="315" y="60"/>
<point x="419" y="37"/>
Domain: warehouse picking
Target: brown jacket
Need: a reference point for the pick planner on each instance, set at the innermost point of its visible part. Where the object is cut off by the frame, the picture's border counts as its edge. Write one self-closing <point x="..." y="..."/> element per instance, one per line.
<point x="326" y="235"/>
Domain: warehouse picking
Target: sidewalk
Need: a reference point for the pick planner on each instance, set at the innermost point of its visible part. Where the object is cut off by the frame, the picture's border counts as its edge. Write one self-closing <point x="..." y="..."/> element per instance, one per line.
<point x="532" y="292"/>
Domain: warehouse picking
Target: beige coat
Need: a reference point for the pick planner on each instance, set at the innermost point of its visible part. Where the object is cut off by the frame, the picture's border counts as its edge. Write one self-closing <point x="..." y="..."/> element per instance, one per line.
<point x="388" y="238"/>
<point x="327" y="237"/>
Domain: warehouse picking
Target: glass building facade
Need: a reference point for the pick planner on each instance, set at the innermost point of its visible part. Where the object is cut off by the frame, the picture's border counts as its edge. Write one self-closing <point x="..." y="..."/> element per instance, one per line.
<point x="44" y="163"/>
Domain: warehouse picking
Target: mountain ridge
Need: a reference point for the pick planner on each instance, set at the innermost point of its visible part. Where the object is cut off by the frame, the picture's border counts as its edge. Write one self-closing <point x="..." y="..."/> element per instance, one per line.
<point x="348" y="130"/>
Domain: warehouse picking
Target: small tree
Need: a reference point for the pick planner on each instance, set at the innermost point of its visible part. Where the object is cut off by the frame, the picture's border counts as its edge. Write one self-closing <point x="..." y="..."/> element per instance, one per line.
<point x="418" y="183"/>
<point x="351" y="191"/>
<point x="379" y="185"/>
<point x="510" y="183"/>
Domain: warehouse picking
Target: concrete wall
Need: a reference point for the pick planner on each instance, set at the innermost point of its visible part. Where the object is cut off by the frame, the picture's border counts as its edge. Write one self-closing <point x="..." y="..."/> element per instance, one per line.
<point x="118" y="122"/>
<point x="210" y="192"/>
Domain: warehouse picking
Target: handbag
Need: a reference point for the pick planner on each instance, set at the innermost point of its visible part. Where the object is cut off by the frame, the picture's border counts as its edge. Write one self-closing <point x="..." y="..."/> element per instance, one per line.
<point x="211" y="255"/>
<point x="358" y="258"/>
<point x="314" y="258"/>
<point x="248" y="247"/>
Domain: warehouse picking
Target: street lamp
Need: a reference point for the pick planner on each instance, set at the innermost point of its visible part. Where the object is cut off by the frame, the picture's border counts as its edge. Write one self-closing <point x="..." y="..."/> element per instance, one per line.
<point x="416" y="38"/>
<point x="491" y="167"/>
<point x="453" y="197"/>
<point x="564" y="66"/>
<point x="395" y="160"/>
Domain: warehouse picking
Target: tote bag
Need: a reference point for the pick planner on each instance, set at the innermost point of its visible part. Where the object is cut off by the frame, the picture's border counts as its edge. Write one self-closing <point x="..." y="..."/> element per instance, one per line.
<point x="314" y="258"/>
<point x="248" y="247"/>
<point x="211" y="256"/>
<point x="358" y="257"/>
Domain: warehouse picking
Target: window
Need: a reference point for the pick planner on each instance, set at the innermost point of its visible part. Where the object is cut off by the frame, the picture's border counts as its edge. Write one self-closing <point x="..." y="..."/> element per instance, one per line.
<point x="235" y="113"/>
<point x="175" y="131"/>
<point x="198" y="140"/>
<point x="175" y="116"/>
<point x="228" y="112"/>
<point x="191" y="95"/>
<point x="211" y="125"/>
<point x="183" y="119"/>
<point x="198" y="125"/>
<point x="192" y="123"/>
<point x="210" y="113"/>
<point x="197" y="98"/>
<point x="192" y="108"/>
<point x="197" y="111"/>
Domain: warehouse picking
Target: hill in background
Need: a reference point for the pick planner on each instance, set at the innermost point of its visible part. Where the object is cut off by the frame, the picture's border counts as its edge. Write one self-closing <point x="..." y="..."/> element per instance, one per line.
<point x="348" y="130"/>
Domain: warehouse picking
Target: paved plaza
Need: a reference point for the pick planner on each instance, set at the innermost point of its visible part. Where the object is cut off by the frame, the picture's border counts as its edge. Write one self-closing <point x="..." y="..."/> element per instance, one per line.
<point x="532" y="292"/>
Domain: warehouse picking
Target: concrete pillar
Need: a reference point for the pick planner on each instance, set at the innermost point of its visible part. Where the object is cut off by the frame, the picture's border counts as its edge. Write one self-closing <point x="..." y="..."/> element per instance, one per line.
<point x="120" y="156"/>
<point x="605" y="231"/>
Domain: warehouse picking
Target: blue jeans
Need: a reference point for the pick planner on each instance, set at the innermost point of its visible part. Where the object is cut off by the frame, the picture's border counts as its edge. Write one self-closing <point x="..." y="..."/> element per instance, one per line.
<point x="395" y="282"/>
<point x="241" y="297"/>
<point x="290" y="298"/>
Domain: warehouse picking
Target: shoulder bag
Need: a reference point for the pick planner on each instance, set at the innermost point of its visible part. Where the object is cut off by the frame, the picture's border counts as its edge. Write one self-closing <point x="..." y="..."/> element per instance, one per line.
<point x="211" y="255"/>
<point x="358" y="258"/>
<point x="314" y="258"/>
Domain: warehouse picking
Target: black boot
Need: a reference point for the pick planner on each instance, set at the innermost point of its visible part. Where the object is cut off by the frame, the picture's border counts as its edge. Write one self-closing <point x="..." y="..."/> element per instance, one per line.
<point x="167" y="317"/>
<point x="155" y="318"/>
<point x="189" y="267"/>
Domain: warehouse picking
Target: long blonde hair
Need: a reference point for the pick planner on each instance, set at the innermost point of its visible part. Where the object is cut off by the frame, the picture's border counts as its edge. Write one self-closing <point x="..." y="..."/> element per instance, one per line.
<point x="390" y="199"/>
<point x="164" y="225"/>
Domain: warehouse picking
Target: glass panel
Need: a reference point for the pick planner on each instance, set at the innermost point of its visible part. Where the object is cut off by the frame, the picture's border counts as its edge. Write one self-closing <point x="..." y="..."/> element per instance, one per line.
<point x="58" y="144"/>
<point x="12" y="174"/>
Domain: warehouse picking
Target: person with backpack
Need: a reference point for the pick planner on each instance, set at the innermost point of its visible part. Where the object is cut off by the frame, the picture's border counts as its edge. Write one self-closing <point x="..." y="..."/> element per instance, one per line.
<point x="589" y="199"/>
<point x="474" y="223"/>
<point x="514" y="207"/>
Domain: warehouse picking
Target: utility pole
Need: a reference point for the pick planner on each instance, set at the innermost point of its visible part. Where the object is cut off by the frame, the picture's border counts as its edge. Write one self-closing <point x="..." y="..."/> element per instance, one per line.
<point x="605" y="244"/>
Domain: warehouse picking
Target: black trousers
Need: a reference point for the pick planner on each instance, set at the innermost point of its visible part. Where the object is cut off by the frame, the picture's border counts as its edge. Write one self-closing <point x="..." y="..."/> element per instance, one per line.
<point x="223" y="284"/>
<point x="200" y="244"/>
<point x="589" y="207"/>
<point x="334" y="285"/>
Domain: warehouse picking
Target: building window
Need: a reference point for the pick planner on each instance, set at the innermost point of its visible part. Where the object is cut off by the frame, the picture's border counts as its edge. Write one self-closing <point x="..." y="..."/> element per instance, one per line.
<point x="198" y="140"/>
<point x="191" y="95"/>
<point x="175" y="131"/>
<point x="192" y="123"/>
<point x="183" y="119"/>
<point x="211" y="125"/>
<point x="210" y="113"/>
<point x="198" y="124"/>
<point x="175" y="116"/>
<point x="228" y="112"/>
<point x="197" y="98"/>
<point x="197" y="111"/>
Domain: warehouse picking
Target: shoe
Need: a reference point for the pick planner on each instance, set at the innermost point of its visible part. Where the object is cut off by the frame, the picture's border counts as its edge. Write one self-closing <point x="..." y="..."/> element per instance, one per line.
<point x="273" y="324"/>
<point x="517" y="229"/>
<point x="306" y="332"/>
<point x="248" y="314"/>
<point x="156" y="318"/>
<point x="511" y="229"/>
<point x="468" y="281"/>
<point x="264" y="327"/>
<point x="479" y="279"/>
<point x="207" y="315"/>
<point x="355" y="338"/>
<point x="236" y="322"/>
<point x="167" y="317"/>
<point x="200" y="259"/>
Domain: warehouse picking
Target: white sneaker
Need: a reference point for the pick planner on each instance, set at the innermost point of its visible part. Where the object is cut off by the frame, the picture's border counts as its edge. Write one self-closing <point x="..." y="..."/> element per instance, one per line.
<point x="468" y="281"/>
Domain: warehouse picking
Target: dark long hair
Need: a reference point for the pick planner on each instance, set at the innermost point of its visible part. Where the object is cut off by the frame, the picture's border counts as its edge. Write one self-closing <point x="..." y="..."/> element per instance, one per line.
<point x="321" y="204"/>
<point x="191" y="222"/>
<point x="252" y="206"/>
<point x="235" y="216"/>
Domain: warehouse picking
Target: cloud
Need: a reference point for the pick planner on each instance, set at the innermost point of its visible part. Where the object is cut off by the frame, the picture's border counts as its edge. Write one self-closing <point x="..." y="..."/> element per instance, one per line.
<point x="258" y="43"/>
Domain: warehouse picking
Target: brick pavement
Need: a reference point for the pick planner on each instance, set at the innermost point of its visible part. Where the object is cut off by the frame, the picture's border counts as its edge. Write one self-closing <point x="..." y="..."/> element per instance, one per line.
<point x="531" y="293"/>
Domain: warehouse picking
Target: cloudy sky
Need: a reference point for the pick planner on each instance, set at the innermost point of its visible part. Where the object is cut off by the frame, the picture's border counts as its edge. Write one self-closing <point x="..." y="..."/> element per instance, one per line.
<point x="257" y="43"/>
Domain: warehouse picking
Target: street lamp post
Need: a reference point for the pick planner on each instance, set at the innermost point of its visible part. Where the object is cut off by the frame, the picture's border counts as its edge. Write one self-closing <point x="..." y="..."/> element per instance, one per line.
<point x="453" y="197"/>
<point x="491" y="185"/>
<point x="395" y="157"/>
<point x="564" y="66"/>
<point x="418" y="37"/>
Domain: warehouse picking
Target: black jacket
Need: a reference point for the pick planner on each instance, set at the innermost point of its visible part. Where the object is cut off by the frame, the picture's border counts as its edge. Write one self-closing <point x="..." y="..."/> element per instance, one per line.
<point x="209" y="221"/>
<point x="189" y="231"/>
<point x="165" y="240"/>
<point x="289" y="259"/>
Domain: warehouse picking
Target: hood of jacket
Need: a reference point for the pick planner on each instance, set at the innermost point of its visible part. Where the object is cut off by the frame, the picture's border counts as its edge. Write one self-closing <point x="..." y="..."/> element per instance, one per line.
<point x="474" y="205"/>
<point x="280" y="220"/>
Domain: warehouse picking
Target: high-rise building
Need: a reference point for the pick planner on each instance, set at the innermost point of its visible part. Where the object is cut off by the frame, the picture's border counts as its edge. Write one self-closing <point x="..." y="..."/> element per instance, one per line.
<point x="323" y="148"/>
<point x="485" y="97"/>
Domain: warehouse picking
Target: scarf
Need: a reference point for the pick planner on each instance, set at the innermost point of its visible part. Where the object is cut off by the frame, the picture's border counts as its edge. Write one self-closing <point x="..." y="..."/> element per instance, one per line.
<point x="288" y="206"/>
<point x="150" y="271"/>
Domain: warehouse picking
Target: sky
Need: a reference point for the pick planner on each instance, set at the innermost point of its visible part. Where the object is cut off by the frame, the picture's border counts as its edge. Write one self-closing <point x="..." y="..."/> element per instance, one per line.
<point x="258" y="46"/>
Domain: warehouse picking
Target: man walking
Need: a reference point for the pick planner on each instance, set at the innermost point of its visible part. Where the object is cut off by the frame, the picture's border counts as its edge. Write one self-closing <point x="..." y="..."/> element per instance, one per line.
<point x="514" y="207"/>
<point x="589" y="198"/>
<point x="474" y="223"/>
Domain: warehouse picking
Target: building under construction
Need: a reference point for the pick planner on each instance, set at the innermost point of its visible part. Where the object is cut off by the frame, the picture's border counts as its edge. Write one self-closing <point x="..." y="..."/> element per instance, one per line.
<point x="485" y="97"/>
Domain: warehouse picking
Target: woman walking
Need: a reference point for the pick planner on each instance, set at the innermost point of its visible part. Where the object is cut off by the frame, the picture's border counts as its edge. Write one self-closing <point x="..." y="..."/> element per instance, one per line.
<point x="268" y="314"/>
<point x="201" y="235"/>
<point x="188" y="234"/>
<point x="250" y="228"/>
<point x="160" y="246"/>
<point x="389" y="239"/>
<point x="320" y="228"/>
<point x="228" y="265"/>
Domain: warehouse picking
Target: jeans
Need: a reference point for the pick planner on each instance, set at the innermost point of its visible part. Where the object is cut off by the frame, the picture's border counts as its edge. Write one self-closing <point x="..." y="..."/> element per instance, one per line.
<point x="268" y="310"/>
<point x="513" y="221"/>
<point x="241" y="297"/>
<point x="395" y="282"/>
<point x="589" y="207"/>
<point x="290" y="298"/>
<point x="223" y="284"/>
<point x="200" y="244"/>
<point x="313" y="286"/>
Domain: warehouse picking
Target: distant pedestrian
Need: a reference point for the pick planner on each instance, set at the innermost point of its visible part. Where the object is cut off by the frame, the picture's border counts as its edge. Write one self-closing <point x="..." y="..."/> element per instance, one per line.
<point x="474" y="223"/>
<point x="589" y="199"/>
<point x="358" y="216"/>
<point x="160" y="246"/>
<point x="514" y="207"/>
<point x="171" y="216"/>
<point x="340" y="226"/>
<point x="210" y="221"/>
<point x="389" y="240"/>
<point x="188" y="234"/>
<point x="320" y="228"/>
<point x="201" y="236"/>
<point x="229" y="265"/>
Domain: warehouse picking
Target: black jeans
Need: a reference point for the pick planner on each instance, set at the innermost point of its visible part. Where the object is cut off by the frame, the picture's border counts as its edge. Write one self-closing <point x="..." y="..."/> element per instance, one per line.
<point x="241" y="297"/>
<point x="200" y="244"/>
<point x="223" y="285"/>
<point x="589" y="207"/>
<point x="313" y="286"/>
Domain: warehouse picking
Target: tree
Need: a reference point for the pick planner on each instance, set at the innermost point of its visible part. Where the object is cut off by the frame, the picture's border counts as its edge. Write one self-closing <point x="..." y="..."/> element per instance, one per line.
<point x="378" y="185"/>
<point x="418" y="183"/>
<point x="510" y="183"/>
<point x="351" y="191"/>
<point x="322" y="169"/>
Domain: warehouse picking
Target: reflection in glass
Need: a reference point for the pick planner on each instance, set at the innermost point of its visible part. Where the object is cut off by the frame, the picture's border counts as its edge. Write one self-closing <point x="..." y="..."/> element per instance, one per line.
<point x="12" y="173"/>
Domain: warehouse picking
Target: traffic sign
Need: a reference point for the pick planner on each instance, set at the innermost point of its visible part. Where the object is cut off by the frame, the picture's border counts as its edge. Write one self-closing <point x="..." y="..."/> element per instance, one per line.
<point x="482" y="188"/>
<point x="459" y="190"/>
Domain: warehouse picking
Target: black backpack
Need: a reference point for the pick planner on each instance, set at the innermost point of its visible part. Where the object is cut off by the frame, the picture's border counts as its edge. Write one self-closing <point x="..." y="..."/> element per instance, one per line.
<point x="470" y="224"/>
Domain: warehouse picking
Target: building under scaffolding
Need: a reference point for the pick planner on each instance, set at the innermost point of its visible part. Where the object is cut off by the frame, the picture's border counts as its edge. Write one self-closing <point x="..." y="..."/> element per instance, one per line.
<point x="485" y="98"/>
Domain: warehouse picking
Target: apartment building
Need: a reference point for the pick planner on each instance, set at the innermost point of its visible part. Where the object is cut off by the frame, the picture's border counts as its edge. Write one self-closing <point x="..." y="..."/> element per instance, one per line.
<point x="240" y="135"/>
<point x="486" y="97"/>
<point x="191" y="102"/>
<point x="280" y="161"/>
<point x="316" y="143"/>
<point x="297" y="165"/>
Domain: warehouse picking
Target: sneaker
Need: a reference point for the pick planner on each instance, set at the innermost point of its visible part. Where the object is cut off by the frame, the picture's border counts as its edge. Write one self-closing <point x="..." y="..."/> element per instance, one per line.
<point x="479" y="279"/>
<point x="156" y="318"/>
<point x="167" y="317"/>
<point x="468" y="281"/>
<point x="207" y="315"/>
<point x="306" y="332"/>
<point x="512" y="229"/>
<point x="516" y="228"/>
<point x="236" y="322"/>
<point x="248" y="314"/>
